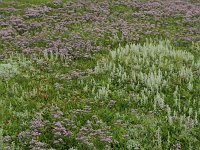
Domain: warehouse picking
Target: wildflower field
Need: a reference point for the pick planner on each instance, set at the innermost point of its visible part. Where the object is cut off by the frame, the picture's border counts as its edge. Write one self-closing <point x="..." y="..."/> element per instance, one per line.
<point x="100" y="75"/>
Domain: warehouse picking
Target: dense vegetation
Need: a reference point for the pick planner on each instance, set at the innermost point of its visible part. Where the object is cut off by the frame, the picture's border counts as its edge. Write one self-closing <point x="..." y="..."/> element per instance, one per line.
<point x="99" y="74"/>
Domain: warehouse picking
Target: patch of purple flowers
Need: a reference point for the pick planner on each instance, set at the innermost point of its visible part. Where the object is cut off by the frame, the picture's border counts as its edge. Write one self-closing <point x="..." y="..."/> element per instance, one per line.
<point x="78" y="28"/>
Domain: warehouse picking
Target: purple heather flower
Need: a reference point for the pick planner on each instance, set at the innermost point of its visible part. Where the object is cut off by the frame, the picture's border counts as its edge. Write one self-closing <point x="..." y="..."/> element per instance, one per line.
<point x="57" y="2"/>
<point x="35" y="133"/>
<point x="7" y="139"/>
<point x="37" y="145"/>
<point x="36" y="124"/>
<point x="59" y="130"/>
<point x="58" y="114"/>
<point x="36" y="11"/>
<point x="7" y="32"/>
<point x="106" y="139"/>
<point x="24" y="134"/>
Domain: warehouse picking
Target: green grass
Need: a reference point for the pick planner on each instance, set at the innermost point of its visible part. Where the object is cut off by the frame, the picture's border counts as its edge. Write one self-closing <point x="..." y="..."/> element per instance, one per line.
<point x="147" y="93"/>
<point x="125" y="76"/>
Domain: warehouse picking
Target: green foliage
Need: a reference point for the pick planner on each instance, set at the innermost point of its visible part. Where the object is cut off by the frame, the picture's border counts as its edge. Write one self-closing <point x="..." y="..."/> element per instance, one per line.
<point x="141" y="94"/>
<point x="142" y="91"/>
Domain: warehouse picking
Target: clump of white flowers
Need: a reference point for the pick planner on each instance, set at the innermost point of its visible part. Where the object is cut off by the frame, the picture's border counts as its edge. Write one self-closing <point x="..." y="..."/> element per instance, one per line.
<point x="150" y="69"/>
<point x="8" y="70"/>
<point x="102" y="92"/>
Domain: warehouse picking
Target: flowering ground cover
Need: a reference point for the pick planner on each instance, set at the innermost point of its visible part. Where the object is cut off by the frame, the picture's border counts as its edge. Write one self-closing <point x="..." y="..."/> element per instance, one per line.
<point x="99" y="74"/>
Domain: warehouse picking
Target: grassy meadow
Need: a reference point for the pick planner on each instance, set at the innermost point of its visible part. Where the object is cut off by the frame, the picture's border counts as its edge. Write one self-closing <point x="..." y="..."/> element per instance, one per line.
<point x="99" y="75"/>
